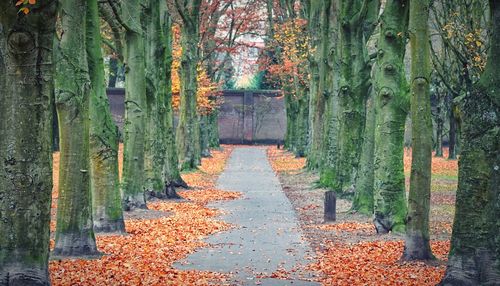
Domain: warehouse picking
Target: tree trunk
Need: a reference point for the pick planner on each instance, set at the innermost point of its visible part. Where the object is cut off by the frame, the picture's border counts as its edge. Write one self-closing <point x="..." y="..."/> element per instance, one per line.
<point x="154" y="151"/>
<point x="417" y="246"/>
<point x="172" y="173"/>
<point x="329" y="145"/>
<point x="474" y="257"/>
<point x="104" y="181"/>
<point x="135" y="109"/>
<point x="74" y="230"/>
<point x="391" y="105"/>
<point x="26" y="89"/>
<point x="291" y="121"/>
<point x="204" y="135"/>
<point x="363" y="196"/>
<point x="318" y="34"/>
<point x="302" y="124"/>
<point x="214" y="129"/>
<point x="356" y="24"/>
<point x="113" y="71"/>
<point x="440" y="117"/>
<point x="452" y="135"/>
<point x="188" y="130"/>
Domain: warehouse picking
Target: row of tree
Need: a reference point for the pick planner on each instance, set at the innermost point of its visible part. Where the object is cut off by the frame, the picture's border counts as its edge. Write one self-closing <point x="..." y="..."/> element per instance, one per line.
<point x="349" y="88"/>
<point x="39" y="73"/>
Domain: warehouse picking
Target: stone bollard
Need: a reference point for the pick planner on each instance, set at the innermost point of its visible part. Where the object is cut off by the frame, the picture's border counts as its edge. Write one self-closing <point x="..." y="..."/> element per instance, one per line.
<point x="330" y="206"/>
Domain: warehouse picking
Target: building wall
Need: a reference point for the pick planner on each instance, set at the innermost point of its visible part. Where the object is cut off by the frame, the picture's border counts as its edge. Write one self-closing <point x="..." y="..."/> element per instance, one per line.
<point x="245" y="117"/>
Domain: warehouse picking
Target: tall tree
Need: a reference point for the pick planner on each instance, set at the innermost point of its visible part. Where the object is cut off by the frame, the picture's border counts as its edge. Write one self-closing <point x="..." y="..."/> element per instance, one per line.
<point x="318" y="43"/>
<point x="173" y="174"/>
<point x="157" y="181"/>
<point x="104" y="181"/>
<point x="74" y="228"/>
<point x="188" y="131"/>
<point x="474" y="257"/>
<point x="135" y="105"/>
<point x="417" y="246"/>
<point x="26" y="89"/>
<point x="391" y="105"/>
<point x="356" y="20"/>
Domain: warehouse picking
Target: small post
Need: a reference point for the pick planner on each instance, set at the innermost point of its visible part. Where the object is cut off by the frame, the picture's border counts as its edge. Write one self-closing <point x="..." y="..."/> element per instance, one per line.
<point x="330" y="206"/>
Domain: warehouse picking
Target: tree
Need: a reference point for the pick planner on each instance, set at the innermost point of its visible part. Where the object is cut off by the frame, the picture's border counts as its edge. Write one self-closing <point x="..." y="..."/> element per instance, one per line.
<point x="391" y="108"/>
<point x="318" y="31"/>
<point x="474" y="257"/>
<point x="74" y="229"/>
<point x="135" y="106"/>
<point x="188" y="132"/>
<point x="417" y="246"/>
<point x="157" y="182"/>
<point x="356" y="22"/>
<point x="104" y="181"/>
<point x="25" y="141"/>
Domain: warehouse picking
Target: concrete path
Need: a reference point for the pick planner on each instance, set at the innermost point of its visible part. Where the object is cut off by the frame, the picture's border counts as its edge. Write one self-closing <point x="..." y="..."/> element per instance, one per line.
<point x="267" y="236"/>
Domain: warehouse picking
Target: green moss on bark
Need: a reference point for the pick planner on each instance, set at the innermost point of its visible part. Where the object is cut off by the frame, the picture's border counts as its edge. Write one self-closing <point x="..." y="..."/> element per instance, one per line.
<point x="26" y="88"/>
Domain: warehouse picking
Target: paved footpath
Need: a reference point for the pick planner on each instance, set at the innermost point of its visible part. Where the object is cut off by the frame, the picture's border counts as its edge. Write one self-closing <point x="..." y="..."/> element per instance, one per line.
<point x="267" y="235"/>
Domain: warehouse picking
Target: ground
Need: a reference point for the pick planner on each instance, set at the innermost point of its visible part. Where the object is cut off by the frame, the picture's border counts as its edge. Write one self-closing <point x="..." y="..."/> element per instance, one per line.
<point x="253" y="226"/>
<point x="349" y="251"/>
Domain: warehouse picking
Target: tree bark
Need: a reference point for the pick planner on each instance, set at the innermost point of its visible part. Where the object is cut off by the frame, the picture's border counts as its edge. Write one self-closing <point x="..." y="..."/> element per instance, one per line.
<point x="391" y="107"/>
<point x="214" y="129"/>
<point x="363" y="196"/>
<point x="135" y="108"/>
<point x="474" y="257"/>
<point x="452" y="134"/>
<point x="417" y="246"/>
<point x="104" y="181"/>
<point x="172" y="173"/>
<point x="74" y="229"/>
<point x="318" y="41"/>
<point x="26" y="89"/>
<point x="204" y="135"/>
<point x="356" y="20"/>
<point x="188" y="130"/>
<point x="154" y="151"/>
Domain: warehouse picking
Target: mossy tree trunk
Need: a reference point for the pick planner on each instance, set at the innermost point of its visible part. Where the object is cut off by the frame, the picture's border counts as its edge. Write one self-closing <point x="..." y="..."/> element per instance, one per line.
<point x="439" y="119"/>
<point x="329" y="147"/>
<point x="391" y="105"/>
<point x="417" y="246"/>
<point x="204" y="135"/>
<point x="214" y="140"/>
<point x="172" y="173"/>
<point x="188" y="130"/>
<point x="452" y="134"/>
<point x="154" y="148"/>
<point x="357" y="21"/>
<point x="74" y="229"/>
<point x="363" y="197"/>
<point x="302" y="123"/>
<point x="318" y="43"/>
<point x="135" y="108"/>
<point x="104" y="181"/>
<point x="474" y="257"/>
<point x="26" y="89"/>
<point x="291" y="119"/>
